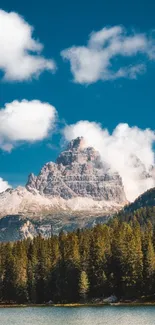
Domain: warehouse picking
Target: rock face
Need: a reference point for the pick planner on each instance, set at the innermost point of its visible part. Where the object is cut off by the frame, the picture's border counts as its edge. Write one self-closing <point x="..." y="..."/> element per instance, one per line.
<point x="78" y="190"/>
<point x="78" y="172"/>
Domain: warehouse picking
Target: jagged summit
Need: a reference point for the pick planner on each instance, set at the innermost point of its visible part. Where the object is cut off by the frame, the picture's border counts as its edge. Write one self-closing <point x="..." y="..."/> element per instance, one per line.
<point x="76" y="151"/>
<point x="78" y="172"/>
<point x="77" y="144"/>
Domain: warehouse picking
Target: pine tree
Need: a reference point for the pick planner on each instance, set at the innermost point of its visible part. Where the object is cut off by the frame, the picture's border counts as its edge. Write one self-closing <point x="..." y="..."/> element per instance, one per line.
<point x="20" y="260"/>
<point x="10" y="276"/>
<point x="149" y="260"/>
<point x="83" y="285"/>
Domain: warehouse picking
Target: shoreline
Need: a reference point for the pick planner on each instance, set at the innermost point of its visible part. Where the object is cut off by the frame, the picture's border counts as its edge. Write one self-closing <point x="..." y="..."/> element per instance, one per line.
<point x="76" y="305"/>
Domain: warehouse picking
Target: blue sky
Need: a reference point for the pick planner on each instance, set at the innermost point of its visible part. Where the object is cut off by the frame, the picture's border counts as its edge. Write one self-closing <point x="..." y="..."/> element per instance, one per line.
<point x="60" y="25"/>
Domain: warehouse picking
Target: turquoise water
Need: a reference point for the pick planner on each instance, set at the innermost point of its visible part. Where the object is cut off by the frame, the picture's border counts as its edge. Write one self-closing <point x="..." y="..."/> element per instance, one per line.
<point x="111" y="315"/>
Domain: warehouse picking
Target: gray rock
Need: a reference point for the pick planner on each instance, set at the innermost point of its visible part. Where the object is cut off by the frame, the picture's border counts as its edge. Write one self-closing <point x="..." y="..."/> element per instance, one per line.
<point x="78" y="172"/>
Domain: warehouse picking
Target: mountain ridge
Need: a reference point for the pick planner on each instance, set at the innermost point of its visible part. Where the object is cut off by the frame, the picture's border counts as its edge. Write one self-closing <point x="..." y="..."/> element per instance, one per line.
<point x="78" y="190"/>
<point x="72" y="192"/>
<point x="78" y="172"/>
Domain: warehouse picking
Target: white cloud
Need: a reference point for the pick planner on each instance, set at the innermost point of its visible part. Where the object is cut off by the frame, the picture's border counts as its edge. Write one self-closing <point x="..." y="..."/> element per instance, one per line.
<point x="101" y="58"/>
<point x="20" y="57"/>
<point x="3" y="185"/>
<point x="25" y="121"/>
<point x="127" y="150"/>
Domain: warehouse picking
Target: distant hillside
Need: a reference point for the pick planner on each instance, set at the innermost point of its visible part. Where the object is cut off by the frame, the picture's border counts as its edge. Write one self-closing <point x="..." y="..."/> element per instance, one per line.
<point x="143" y="208"/>
<point x="147" y="199"/>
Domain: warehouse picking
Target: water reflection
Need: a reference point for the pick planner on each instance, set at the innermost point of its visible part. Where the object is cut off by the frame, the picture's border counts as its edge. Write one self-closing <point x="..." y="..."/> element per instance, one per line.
<point x="111" y="315"/>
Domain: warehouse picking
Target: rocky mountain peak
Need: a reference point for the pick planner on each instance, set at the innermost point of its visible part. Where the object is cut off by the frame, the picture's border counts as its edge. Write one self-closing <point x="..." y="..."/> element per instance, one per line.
<point x="76" y="144"/>
<point x="78" y="172"/>
<point x="77" y="152"/>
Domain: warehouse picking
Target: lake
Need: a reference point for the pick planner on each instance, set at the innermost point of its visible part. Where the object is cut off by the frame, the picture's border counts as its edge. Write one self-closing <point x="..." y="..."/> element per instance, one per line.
<point x="106" y="315"/>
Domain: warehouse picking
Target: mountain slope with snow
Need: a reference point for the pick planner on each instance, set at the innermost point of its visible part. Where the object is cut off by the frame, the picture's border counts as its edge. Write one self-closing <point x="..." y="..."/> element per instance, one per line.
<point x="73" y="192"/>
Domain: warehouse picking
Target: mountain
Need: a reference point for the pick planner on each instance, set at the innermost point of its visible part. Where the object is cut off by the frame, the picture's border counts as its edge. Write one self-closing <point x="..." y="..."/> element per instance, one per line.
<point x="78" y="190"/>
<point x="78" y="172"/>
<point x="147" y="199"/>
<point x="143" y="208"/>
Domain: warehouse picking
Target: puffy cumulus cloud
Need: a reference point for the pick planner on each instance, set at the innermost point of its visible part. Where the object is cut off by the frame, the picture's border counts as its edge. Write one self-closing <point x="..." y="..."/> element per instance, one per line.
<point x="25" y="121"/>
<point x="127" y="150"/>
<point x="3" y="185"/>
<point x="20" y="57"/>
<point x="101" y="58"/>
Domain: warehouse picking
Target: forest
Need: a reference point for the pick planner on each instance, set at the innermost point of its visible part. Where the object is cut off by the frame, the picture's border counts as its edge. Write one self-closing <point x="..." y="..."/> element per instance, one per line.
<point x="110" y="259"/>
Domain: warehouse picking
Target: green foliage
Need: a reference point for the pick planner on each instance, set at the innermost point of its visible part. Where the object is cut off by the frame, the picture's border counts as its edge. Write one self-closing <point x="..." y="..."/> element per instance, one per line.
<point x="83" y="284"/>
<point x="118" y="258"/>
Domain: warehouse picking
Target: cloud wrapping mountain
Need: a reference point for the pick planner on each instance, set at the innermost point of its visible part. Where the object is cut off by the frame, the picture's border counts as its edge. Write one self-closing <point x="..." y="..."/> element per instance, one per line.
<point x="28" y="121"/>
<point x="3" y="185"/>
<point x="100" y="58"/>
<point x="20" y="53"/>
<point x="128" y="150"/>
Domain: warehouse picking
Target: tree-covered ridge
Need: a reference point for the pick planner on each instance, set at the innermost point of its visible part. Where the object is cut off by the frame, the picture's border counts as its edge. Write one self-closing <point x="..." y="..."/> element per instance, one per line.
<point x="143" y="215"/>
<point x="147" y="199"/>
<point x="118" y="258"/>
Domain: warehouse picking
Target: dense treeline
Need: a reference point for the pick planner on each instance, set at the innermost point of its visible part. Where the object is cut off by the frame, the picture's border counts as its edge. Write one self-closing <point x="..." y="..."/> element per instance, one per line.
<point x="143" y="215"/>
<point x="118" y="258"/>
